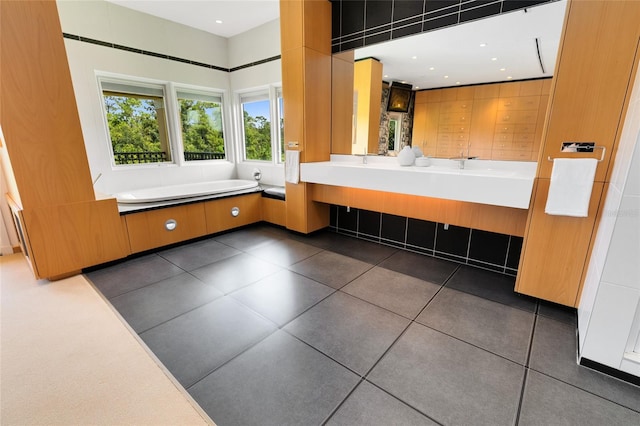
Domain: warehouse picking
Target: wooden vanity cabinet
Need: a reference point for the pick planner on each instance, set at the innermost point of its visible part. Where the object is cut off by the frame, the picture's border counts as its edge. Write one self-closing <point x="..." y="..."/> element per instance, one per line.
<point x="220" y="216"/>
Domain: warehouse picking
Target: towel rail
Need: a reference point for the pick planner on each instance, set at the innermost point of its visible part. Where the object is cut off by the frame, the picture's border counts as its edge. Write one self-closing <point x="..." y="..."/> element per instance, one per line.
<point x="603" y="148"/>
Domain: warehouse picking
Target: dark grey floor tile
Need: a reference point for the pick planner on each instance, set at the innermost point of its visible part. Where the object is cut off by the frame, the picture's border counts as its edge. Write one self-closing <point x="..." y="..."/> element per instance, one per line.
<point x="450" y="381"/>
<point x="284" y="252"/>
<point x="132" y="274"/>
<point x="558" y="312"/>
<point x="548" y="401"/>
<point x="365" y="251"/>
<point x="369" y="406"/>
<point x="400" y="293"/>
<point x="490" y="285"/>
<point x="424" y="267"/>
<point x="282" y="296"/>
<point x="249" y="238"/>
<point x="195" y="343"/>
<point x="280" y="381"/>
<point x="156" y="303"/>
<point x="351" y="331"/>
<point x="201" y="253"/>
<point x="498" y="328"/>
<point x="330" y="268"/>
<point x="235" y="272"/>
<point x="553" y="353"/>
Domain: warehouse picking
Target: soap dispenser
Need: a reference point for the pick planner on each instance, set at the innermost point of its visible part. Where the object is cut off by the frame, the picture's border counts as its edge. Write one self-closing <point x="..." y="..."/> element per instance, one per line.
<point x="406" y="156"/>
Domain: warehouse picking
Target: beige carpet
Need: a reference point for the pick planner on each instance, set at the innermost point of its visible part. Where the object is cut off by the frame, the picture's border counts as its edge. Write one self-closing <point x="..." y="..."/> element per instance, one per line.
<point x="67" y="359"/>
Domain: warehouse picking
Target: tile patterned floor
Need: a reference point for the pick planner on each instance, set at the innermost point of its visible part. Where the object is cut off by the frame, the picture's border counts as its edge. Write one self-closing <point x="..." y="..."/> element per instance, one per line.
<point x="266" y="327"/>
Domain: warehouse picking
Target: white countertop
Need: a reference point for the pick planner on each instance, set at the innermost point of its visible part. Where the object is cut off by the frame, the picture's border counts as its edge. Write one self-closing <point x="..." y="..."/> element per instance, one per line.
<point x="500" y="183"/>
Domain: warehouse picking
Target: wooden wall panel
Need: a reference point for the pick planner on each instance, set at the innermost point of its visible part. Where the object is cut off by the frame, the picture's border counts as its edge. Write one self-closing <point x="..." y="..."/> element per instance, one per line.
<point x="556" y="248"/>
<point x="274" y="211"/>
<point x="66" y="238"/>
<point x="592" y="77"/>
<point x="317" y="106"/>
<point x="502" y="220"/>
<point x="39" y="115"/>
<point x="342" y="103"/>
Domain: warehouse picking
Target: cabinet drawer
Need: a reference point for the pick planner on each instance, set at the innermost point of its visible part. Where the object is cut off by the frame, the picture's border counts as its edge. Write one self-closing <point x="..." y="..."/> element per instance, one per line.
<point x="517" y="117"/>
<point x="456" y="106"/>
<point x="453" y="128"/>
<point x="524" y="128"/>
<point x="454" y="118"/>
<point x="503" y="138"/>
<point x="510" y="154"/>
<point x="220" y="216"/>
<point x="523" y="137"/>
<point x="152" y="229"/>
<point x="519" y="103"/>
<point x="505" y="129"/>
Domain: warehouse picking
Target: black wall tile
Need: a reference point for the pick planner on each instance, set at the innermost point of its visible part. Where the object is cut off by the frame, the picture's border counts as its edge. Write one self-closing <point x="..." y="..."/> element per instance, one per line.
<point x="369" y="223"/>
<point x="482" y="265"/>
<point x="488" y="247"/>
<point x="454" y="241"/>
<point x="406" y="30"/>
<point x="352" y="16"/>
<point x="353" y="44"/>
<point x="421" y="233"/>
<point x="475" y="10"/>
<point x="407" y="8"/>
<point x="441" y="22"/>
<point x="377" y="13"/>
<point x="515" y="248"/>
<point x="393" y="228"/>
<point x="336" y="6"/>
<point x="509" y="5"/>
<point x="333" y="215"/>
<point x="377" y="38"/>
<point x="347" y="220"/>
<point x="441" y="7"/>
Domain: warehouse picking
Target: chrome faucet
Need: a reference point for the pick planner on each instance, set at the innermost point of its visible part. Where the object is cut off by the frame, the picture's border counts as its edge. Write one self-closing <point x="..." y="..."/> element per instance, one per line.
<point x="460" y="160"/>
<point x="364" y="156"/>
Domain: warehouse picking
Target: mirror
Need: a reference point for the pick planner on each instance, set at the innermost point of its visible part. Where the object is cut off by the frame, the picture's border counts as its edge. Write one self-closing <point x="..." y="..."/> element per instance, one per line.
<point x="446" y="68"/>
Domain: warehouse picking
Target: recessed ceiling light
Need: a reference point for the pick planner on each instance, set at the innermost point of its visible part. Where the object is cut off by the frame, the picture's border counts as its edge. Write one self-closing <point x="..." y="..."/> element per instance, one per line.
<point x="386" y="76"/>
<point x="417" y="87"/>
<point x="503" y="69"/>
<point x="218" y="21"/>
<point x="403" y="82"/>
<point x="483" y="44"/>
<point x="431" y="68"/>
<point x="457" y="82"/>
<point x="509" y="77"/>
<point x="494" y="59"/>
<point x="446" y="76"/>
<point x="414" y="57"/>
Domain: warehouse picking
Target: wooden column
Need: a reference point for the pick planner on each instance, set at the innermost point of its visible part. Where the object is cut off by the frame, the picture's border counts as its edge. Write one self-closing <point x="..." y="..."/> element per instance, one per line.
<point x="588" y="103"/>
<point x="342" y="118"/>
<point x="305" y="27"/>
<point x="64" y="227"/>
<point x="368" y="86"/>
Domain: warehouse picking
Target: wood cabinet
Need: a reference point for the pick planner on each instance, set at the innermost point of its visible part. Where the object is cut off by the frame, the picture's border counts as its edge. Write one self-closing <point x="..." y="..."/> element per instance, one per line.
<point x="221" y="214"/>
<point x="500" y="121"/>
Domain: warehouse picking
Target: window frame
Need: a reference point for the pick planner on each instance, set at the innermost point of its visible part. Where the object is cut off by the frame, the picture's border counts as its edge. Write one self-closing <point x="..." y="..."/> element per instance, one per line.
<point x="272" y="93"/>
<point x="138" y="83"/>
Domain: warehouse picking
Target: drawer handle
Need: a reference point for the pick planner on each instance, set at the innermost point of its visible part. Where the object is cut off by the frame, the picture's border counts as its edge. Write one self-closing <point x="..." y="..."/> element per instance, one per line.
<point x="170" y="225"/>
<point x="235" y="211"/>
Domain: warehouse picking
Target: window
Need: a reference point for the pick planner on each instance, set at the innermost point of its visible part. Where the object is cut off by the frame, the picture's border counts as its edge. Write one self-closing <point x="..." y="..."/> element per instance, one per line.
<point x="137" y="122"/>
<point x="263" y="125"/>
<point x="201" y="124"/>
<point x="256" y="119"/>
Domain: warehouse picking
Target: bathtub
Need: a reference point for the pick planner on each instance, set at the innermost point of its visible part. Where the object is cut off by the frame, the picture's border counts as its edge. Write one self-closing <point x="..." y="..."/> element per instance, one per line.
<point x="171" y="194"/>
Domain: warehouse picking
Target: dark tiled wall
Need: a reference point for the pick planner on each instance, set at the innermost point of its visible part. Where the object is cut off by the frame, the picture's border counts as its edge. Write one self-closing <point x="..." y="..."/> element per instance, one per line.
<point x="489" y="250"/>
<point x="358" y="23"/>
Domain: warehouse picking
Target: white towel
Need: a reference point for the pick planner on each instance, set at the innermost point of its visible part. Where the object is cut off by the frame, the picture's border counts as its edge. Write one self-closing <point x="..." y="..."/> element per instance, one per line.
<point x="571" y="185"/>
<point x="292" y="166"/>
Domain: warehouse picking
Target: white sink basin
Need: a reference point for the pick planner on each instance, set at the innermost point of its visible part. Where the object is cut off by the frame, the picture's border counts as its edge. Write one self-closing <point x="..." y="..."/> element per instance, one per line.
<point x="499" y="183"/>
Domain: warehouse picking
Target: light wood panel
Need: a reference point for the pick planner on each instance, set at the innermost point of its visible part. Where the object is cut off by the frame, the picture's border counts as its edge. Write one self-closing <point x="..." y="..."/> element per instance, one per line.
<point x="317" y="106"/>
<point x="274" y="211"/>
<point x="342" y="103"/>
<point x="555" y="250"/>
<point x="502" y="220"/>
<point x="592" y="77"/>
<point x="66" y="238"/>
<point x="368" y="86"/>
<point x="218" y="212"/>
<point x="147" y="230"/>
<point x="39" y="115"/>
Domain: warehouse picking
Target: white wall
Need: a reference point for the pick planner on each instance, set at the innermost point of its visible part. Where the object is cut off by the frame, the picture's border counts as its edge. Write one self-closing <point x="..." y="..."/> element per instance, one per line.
<point x="105" y="21"/>
<point x="609" y="312"/>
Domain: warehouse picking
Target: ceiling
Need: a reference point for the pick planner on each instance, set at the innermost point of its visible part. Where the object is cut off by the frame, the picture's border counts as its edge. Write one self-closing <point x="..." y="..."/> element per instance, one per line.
<point x="465" y="53"/>
<point x="237" y="16"/>
<point x="454" y="52"/>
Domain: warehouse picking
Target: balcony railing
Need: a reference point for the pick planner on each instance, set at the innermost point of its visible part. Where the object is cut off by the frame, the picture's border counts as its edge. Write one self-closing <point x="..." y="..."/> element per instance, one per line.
<point x="159" y="157"/>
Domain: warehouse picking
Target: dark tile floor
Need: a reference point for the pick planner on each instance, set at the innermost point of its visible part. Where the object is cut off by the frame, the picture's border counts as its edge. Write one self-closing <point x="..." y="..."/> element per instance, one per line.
<point x="266" y="327"/>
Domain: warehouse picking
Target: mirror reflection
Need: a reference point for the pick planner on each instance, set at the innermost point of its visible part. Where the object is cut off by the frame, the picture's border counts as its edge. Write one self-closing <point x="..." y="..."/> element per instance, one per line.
<point x="478" y="90"/>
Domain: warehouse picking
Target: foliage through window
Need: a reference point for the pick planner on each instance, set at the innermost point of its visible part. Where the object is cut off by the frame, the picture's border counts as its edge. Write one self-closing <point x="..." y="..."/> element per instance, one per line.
<point x="137" y="123"/>
<point x="256" y="116"/>
<point x="201" y="124"/>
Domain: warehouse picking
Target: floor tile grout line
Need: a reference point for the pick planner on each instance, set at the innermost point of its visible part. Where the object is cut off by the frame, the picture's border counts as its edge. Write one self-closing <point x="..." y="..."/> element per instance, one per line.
<point x="573" y="385"/>
<point x="402" y="401"/>
<point x="525" y="376"/>
<point x="341" y="403"/>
